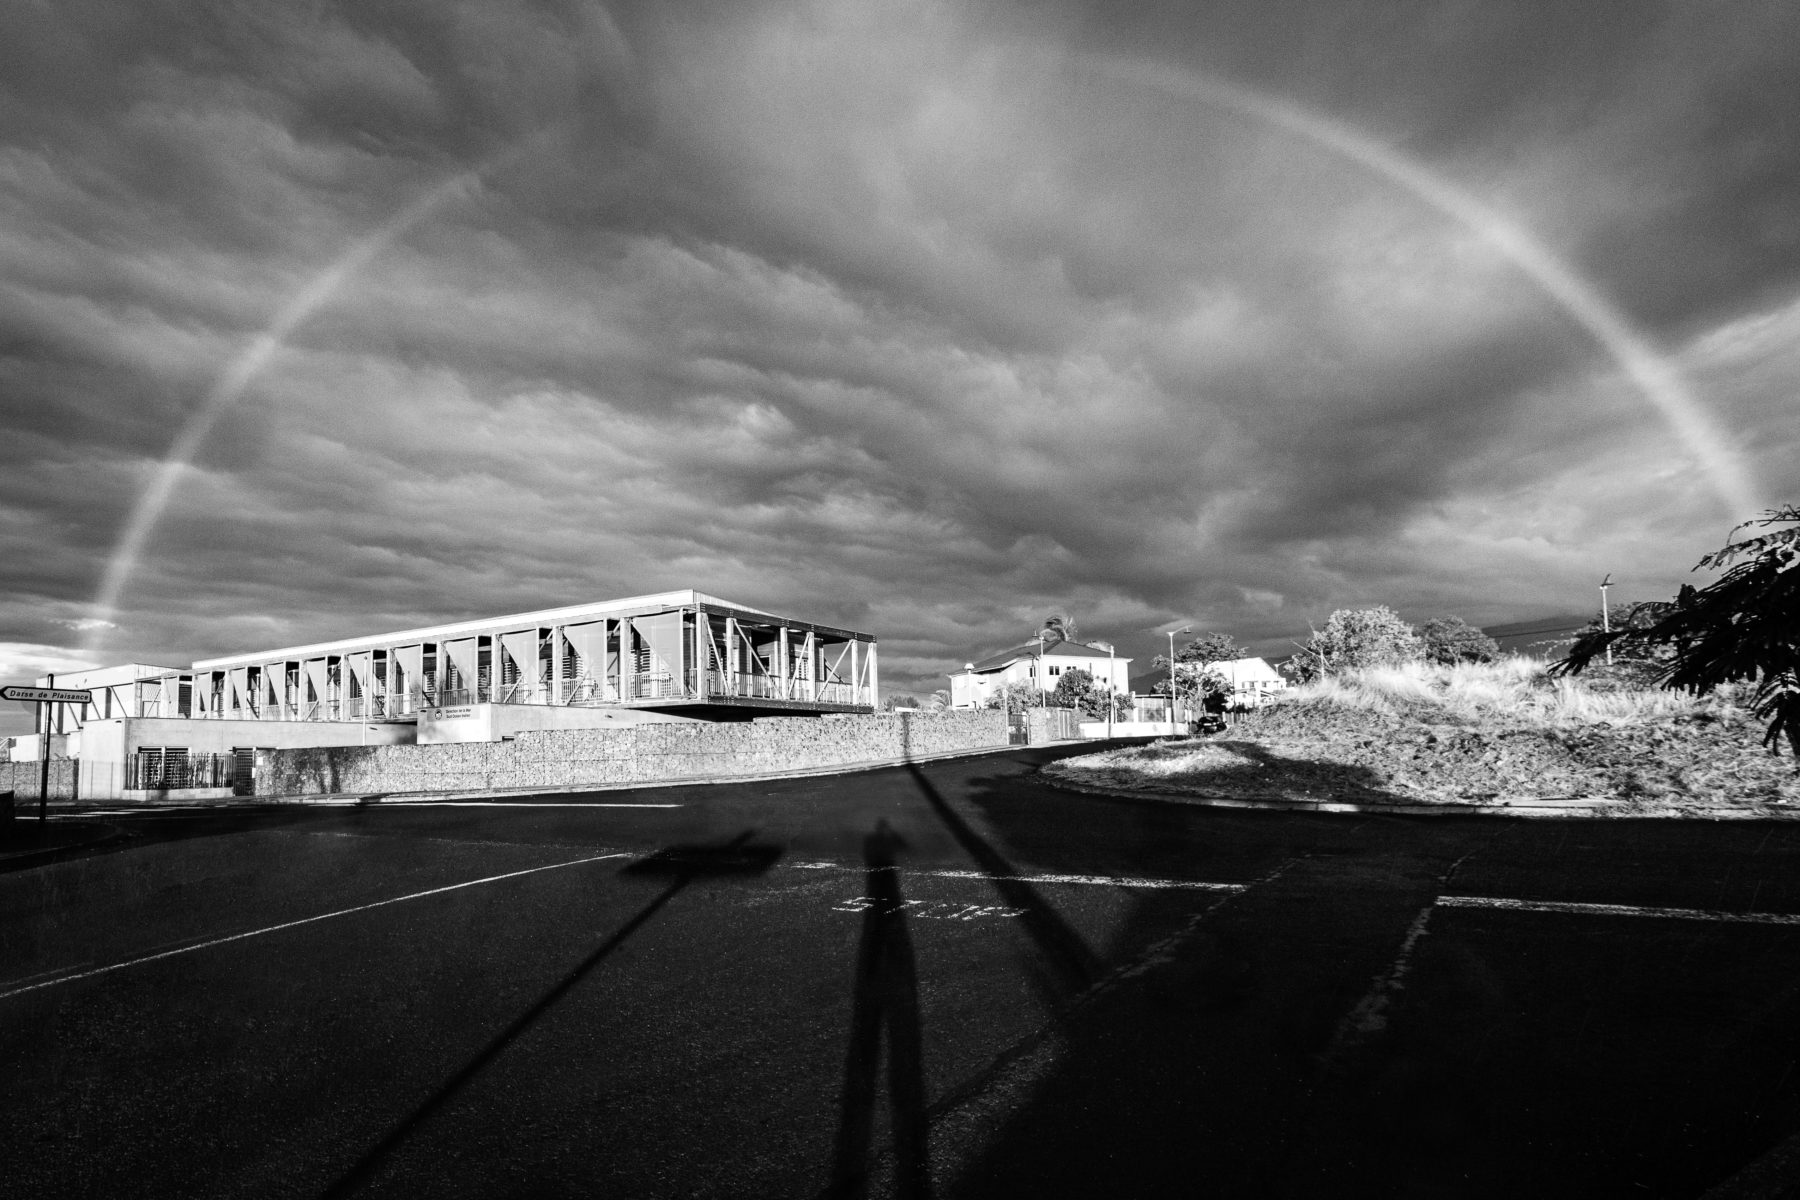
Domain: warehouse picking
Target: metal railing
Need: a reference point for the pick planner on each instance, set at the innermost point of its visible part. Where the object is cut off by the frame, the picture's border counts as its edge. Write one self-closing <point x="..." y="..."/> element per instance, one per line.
<point x="585" y="691"/>
<point x="173" y="770"/>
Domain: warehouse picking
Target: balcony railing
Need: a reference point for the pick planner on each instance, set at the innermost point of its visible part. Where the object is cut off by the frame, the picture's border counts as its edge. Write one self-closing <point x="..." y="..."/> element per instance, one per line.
<point x="579" y="693"/>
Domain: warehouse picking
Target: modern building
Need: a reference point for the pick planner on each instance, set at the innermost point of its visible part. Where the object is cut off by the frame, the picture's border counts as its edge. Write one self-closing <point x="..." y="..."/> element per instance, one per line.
<point x="1031" y="666"/>
<point x="672" y="656"/>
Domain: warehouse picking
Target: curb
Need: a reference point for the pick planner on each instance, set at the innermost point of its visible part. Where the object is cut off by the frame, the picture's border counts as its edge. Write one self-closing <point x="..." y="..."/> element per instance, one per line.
<point x="1589" y="809"/>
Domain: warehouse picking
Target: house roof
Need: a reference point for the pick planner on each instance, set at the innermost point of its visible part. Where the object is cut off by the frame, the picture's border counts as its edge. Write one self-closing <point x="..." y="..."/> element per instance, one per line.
<point x="1029" y="650"/>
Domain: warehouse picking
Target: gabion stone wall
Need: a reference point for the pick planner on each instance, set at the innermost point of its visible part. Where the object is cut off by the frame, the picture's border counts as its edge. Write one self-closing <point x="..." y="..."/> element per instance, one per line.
<point x="566" y="758"/>
<point x="24" y="778"/>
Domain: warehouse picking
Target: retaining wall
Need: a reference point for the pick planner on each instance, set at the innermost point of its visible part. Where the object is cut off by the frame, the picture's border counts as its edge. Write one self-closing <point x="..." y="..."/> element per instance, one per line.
<point x="573" y="758"/>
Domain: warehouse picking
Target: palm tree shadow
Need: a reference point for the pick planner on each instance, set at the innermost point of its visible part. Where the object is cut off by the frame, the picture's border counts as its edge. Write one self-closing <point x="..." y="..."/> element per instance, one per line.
<point x="1071" y="963"/>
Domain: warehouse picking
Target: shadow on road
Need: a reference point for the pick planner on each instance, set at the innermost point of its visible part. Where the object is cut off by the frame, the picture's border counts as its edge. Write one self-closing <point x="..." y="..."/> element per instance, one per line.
<point x="1193" y="1073"/>
<point x="1073" y="965"/>
<point x="886" y="996"/>
<point x="681" y="865"/>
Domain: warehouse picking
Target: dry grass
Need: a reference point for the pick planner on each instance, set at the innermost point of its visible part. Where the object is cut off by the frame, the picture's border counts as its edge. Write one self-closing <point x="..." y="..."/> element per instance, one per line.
<point x="1513" y="692"/>
<point x="1472" y="733"/>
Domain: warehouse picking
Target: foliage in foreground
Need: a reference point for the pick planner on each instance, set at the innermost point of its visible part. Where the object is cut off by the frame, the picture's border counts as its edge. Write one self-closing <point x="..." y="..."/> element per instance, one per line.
<point x="1744" y="627"/>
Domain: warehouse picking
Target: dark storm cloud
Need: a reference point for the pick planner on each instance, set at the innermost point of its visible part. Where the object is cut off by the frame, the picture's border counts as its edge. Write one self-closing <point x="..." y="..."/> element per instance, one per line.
<point x="909" y="317"/>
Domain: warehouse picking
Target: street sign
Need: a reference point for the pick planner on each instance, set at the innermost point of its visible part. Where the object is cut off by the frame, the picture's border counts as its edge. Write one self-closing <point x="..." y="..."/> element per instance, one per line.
<point x="46" y="695"/>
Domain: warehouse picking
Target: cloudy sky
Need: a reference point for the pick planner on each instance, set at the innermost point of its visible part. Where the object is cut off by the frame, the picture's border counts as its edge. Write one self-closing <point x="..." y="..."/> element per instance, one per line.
<point x="927" y="319"/>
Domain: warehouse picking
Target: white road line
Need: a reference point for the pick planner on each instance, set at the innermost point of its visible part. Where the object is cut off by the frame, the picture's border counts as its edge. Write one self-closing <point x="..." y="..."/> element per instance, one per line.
<point x="475" y="804"/>
<point x="1618" y="910"/>
<point x="12" y="990"/>
<point x="1369" y="1017"/>
<point x="1126" y="881"/>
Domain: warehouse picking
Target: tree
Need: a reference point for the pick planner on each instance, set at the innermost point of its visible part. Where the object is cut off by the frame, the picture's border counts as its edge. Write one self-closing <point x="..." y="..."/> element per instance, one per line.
<point x="1078" y="689"/>
<point x="1357" y="637"/>
<point x="1057" y="627"/>
<point x="1205" y="687"/>
<point x="1070" y="688"/>
<point x="1015" y="698"/>
<point x="1742" y="627"/>
<point x="1632" y="614"/>
<point x="1451" y="640"/>
<point x="1206" y="649"/>
<point x="894" y="703"/>
<point x="938" y="701"/>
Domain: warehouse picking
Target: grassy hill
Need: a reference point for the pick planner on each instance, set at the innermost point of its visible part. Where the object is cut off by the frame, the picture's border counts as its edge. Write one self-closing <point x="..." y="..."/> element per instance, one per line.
<point x="1501" y="731"/>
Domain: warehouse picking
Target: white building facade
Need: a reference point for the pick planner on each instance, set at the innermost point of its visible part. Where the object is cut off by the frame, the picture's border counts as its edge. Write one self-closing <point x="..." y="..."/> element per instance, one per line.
<point x="671" y="656"/>
<point x="1028" y="666"/>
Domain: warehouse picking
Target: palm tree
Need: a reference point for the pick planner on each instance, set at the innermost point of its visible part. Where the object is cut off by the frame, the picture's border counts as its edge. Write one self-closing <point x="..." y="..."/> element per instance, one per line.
<point x="1057" y="627"/>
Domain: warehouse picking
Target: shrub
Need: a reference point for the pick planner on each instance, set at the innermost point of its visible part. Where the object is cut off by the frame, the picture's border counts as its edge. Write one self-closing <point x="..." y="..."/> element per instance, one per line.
<point x="1357" y="637"/>
<point x="1454" y="640"/>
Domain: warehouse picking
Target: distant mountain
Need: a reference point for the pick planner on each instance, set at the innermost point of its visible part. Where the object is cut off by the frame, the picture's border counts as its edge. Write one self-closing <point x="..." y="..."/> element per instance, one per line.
<point x="1540" y="637"/>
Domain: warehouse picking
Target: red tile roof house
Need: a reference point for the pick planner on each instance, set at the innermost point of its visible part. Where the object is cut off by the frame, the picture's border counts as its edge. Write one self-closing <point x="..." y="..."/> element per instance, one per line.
<point x="977" y="681"/>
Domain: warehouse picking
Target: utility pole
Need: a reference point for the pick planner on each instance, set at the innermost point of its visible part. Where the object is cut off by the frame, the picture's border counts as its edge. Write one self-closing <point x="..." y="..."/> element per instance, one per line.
<point x="1605" y="617"/>
<point x="1111" y="693"/>
<point x="1174" y="690"/>
<point x="44" y="753"/>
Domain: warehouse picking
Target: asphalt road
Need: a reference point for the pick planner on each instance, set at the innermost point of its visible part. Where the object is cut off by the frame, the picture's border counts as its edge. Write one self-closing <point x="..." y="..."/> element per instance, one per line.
<point x="946" y="979"/>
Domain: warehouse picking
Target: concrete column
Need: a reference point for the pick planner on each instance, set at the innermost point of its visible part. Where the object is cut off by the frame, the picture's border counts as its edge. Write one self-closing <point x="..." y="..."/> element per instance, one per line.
<point x="558" y="652"/>
<point x="731" y="656"/>
<point x="702" y="639"/>
<point x="781" y="665"/>
<point x="627" y="662"/>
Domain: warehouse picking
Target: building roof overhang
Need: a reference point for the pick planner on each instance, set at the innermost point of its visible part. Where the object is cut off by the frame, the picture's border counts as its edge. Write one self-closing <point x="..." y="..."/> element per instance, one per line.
<point x="574" y="614"/>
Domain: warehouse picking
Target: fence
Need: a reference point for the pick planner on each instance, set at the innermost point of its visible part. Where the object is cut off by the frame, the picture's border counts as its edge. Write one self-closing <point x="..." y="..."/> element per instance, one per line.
<point x="156" y="769"/>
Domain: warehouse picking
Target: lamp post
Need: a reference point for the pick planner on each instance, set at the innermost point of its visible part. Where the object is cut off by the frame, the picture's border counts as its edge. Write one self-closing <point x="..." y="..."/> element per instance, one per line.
<point x="1111" y="695"/>
<point x="1037" y="672"/>
<point x="1174" y="691"/>
<point x="1605" y="617"/>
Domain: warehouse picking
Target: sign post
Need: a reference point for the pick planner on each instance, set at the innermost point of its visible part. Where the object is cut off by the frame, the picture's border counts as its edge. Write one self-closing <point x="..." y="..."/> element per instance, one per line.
<point x="44" y="697"/>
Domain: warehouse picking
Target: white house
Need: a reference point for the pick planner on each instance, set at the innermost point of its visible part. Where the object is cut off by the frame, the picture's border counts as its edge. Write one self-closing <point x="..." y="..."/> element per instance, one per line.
<point x="977" y="681"/>
<point x="1253" y="681"/>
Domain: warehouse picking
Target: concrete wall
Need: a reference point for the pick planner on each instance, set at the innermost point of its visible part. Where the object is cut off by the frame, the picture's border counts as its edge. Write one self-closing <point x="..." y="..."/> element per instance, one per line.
<point x="636" y="754"/>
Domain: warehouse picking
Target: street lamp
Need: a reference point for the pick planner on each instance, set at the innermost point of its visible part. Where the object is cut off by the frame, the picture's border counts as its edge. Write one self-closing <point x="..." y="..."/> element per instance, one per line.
<point x="1037" y="671"/>
<point x="1174" y="692"/>
<point x="1110" y="693"/>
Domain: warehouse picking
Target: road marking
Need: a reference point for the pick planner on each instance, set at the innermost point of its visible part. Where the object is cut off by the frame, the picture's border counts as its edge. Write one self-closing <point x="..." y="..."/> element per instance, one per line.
<point x="922" y="909"/>
<point x="11" y="990"/>
<point x="389" y="803"/>
<point x="1369" y="1017"/>
<point x="1618" y="910"/>
<point x="1126" y="881"/>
